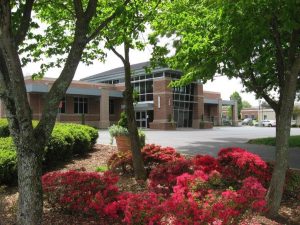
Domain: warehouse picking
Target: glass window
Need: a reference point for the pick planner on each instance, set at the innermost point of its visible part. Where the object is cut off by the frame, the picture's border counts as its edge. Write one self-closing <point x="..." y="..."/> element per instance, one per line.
<point x="80" y="105"/>
<point x="149" y="86"/>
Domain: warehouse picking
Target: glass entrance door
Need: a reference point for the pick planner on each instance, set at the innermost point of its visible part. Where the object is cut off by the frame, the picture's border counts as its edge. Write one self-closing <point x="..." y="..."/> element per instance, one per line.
<point x="141" y="119"/>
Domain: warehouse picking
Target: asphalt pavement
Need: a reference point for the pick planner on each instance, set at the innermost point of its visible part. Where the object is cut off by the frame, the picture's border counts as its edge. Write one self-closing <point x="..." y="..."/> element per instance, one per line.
<point x="210" y="141"/>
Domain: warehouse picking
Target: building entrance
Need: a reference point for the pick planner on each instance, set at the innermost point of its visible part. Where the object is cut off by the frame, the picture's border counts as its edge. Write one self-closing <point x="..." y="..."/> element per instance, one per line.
<point x="143" y="118"/>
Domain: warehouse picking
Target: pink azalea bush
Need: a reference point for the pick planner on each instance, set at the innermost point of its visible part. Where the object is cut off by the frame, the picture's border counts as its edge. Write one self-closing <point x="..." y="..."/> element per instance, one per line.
<point x="79" y="191"/>
<point x="153" y="155"/>
<point x="237" y="164"/>
<point x="181" y="191"/>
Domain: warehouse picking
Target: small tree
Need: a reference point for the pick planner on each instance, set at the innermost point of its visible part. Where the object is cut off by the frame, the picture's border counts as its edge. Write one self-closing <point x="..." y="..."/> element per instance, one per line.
<point x="130" y="26"/>
<point x="70" y="26"/>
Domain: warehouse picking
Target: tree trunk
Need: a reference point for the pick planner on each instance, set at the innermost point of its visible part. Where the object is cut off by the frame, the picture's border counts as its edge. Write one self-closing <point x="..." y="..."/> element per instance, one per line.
<point x="283" y="128"/>
<point x="30" y="208"/>
<point x="138" y="164"/>
<point x="275" y="191"/>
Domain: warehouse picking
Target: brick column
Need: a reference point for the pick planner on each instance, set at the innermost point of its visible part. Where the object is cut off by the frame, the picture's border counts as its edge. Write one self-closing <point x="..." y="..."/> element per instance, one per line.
<point x="234" y="110"/>
<point x="219" y="122"/>
<point x="198" y="109"/>
<point x="104" y="109"/>
<point x="163" y="104"/>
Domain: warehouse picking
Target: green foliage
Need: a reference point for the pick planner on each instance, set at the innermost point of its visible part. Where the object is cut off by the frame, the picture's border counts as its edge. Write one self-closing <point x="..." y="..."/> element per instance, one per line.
<point x="101" y="168"/>
<point x="8" y="161"/>
<point x="246" y="104"/>
<point x="65" y="141"/>
<point x="4" y="129"/>
<point x="231" y="38"/>
<point x="116" y="130"/>
<point x="292" y="182"/>
<point x="294" y="141"/>
<point x="60" y="145"/>
<point x="123" y="122"/>
<point x="142" y="137"/>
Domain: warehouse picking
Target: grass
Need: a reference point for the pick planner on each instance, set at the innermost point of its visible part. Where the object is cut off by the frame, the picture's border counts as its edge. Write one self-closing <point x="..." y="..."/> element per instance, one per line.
<point x="294" y="141"/>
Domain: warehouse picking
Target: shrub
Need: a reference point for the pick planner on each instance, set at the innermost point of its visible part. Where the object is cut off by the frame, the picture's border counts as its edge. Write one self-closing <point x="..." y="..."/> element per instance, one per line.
<point x="60" y="145"/>
<point x="4" y="129"/>
<point x="8" y="161"/>
<point x="238" y="164"/>
<point x="65" y="140"/>
<point x="206" y="163"/>
<point x="152" y="156"/>
<point x="163" y="177"/>
<point x="81" y="192"/>
<point x="193" y="202"/>
<point x="81" y="135"/>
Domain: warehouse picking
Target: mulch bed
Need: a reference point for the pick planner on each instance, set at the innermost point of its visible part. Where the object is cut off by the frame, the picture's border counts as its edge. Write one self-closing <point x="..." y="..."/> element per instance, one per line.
<point x="290" y="210"/>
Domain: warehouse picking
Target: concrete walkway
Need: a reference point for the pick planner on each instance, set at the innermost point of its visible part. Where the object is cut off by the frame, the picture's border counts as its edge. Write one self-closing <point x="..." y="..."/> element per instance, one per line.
<point x="192" y="141"/>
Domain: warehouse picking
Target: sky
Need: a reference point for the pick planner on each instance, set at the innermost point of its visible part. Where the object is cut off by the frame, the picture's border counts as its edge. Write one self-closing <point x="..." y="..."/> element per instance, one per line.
<point x="220" y="84"/>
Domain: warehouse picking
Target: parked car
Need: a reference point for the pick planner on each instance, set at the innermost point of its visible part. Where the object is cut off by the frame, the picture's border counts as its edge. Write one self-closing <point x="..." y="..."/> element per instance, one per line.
<point x="247" y="121"/>
<point x="268" y="123"/>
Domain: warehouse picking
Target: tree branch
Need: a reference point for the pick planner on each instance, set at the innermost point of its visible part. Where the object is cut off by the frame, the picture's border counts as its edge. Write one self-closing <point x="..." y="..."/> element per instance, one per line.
<point x="116" y="13"/>
<point x="279" y="52"/>
<point x="78" y="8"/>
<point x="90" y="10"/>
<point x="294" y="45"/>
<point x="115" y="51"/>
<point x="260" y="90"/>
<point x="25" y="22"/>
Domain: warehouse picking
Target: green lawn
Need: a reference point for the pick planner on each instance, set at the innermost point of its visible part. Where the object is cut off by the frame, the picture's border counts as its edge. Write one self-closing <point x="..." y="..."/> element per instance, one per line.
<point x="294" y="141"/>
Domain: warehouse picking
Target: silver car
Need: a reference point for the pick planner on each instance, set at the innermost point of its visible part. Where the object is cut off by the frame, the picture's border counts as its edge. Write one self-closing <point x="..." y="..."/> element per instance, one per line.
<point x="268" y="123"/>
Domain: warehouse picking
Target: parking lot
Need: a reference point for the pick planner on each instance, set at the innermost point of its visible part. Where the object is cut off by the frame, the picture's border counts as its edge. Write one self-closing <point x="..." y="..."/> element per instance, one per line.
<point x="194" y="141"/>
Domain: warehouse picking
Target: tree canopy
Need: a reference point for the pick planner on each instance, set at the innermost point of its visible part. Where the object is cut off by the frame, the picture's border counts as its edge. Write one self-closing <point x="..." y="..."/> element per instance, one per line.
<point x="257" y="41"/>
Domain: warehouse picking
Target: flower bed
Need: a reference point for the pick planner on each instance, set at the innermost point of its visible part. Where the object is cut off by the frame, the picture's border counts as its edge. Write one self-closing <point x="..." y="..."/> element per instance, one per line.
<point x="180" y="191"/>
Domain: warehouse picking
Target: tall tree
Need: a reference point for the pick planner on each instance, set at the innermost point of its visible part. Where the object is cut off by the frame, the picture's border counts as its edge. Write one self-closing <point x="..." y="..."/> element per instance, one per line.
<point x="131" y="25"/>
<point x="257" y="41"/>
<point x="70" y="26"/>
<point x="246" y="104"/>
<point x="236" y="96"/>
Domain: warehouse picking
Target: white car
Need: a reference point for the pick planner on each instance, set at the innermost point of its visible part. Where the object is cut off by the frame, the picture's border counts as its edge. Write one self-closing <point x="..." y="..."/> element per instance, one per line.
<point x="268" y="123"/>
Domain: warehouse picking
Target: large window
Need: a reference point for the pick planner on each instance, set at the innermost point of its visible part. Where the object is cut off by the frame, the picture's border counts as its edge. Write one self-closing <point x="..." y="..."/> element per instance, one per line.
<point x="145" y="90"/>
<point x="183" y="100"/>
<point x="80" y="105"/>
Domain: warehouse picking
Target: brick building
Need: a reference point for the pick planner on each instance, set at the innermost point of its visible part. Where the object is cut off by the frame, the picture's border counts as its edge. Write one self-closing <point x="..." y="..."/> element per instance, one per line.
<point x="97" y="100"/>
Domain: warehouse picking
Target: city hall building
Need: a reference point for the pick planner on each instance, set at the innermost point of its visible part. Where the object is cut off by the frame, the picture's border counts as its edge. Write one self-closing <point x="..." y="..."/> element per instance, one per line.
<point x="98" y="100"/>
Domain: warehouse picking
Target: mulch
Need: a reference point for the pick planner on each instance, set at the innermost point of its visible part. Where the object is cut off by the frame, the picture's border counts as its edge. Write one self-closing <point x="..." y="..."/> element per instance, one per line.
<point x="289" y="212"/>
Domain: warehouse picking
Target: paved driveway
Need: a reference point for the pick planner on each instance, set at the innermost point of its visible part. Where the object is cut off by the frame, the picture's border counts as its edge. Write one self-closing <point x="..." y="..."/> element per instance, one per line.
<point x="192" y="141"/>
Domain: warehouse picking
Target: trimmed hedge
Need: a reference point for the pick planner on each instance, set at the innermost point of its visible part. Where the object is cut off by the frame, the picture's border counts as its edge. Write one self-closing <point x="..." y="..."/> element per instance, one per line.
<point x="66" y="140"/>
<point x="8" y="160"/>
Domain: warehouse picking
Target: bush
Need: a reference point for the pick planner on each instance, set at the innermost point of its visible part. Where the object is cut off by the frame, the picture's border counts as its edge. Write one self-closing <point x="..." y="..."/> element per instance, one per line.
<point x="60" y="145"/>
<point x="80" y="192"/>
<point x="152" y="156"/>
<point x="8" y="161"/>
<point x="163" y="177"/>
<point x="238" y="164"/>
<point x="4" y="129"/>
<point x="65" y="140"/>
<point x="206" y="163"/>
